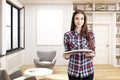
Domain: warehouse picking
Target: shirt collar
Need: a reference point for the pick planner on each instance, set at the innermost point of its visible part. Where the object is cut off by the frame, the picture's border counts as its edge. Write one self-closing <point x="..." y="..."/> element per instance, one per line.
<point x="76" y="33"/>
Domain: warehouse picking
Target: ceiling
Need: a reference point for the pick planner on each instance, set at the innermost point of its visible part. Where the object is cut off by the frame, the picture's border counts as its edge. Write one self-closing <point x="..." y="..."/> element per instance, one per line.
<point x="67" y="1"/>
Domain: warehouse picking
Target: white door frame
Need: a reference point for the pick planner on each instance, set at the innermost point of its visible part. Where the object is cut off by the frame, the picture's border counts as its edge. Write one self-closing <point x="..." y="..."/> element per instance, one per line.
<point x="109" y="42"/>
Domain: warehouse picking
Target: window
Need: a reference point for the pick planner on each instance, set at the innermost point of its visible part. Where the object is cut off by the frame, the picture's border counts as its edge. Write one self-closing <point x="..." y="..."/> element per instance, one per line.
<point x="14" y="28"/>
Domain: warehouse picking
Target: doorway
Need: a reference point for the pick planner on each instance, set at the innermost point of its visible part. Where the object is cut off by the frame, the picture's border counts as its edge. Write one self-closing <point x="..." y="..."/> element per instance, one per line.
<point x="101" y="32"/>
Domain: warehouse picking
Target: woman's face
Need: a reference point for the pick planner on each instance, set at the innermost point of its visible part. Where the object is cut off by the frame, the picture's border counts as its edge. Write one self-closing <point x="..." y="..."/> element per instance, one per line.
<point x="79" y="20"/>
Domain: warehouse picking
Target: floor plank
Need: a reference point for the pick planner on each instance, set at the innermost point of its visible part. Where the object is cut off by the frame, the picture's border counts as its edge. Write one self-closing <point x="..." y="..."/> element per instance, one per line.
<point x="102" y="72"/>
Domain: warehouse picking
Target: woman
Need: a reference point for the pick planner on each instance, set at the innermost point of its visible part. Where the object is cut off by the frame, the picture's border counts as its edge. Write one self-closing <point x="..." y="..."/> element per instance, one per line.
<point x="80" y="65"/>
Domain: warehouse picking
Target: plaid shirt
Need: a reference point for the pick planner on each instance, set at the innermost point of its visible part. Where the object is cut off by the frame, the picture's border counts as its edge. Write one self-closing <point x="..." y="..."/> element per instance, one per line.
<point x="79" y="64"/>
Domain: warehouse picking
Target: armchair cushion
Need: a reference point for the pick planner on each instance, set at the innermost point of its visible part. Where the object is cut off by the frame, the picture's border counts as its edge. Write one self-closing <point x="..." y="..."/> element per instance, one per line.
<point x="45" y="62"/>
<point x="46" y="59"/>
<point x="16" y="74"/>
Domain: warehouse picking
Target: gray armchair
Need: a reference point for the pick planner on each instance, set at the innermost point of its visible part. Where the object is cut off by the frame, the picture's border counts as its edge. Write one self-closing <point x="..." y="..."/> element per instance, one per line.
<point x="4" y="75"/>
<point x="46" y="59"/>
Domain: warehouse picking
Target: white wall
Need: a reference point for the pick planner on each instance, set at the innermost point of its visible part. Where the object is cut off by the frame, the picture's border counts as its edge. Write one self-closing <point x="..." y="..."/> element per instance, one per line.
<point x="0" y="25"/>
<point x="31" y="36"/>
<point x="2" y="28"/>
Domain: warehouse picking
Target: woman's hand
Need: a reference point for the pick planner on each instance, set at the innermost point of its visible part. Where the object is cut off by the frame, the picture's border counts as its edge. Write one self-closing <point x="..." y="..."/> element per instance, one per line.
<point x="89" y="54"/>
<point x="66" y="56"/>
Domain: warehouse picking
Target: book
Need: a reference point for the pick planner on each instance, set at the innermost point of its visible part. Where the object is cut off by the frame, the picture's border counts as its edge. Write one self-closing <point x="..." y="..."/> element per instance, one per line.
<point x="76" y="51"/>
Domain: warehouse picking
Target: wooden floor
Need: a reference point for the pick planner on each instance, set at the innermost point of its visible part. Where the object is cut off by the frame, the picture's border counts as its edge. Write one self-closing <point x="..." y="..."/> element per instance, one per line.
<point x="102" y="72"/>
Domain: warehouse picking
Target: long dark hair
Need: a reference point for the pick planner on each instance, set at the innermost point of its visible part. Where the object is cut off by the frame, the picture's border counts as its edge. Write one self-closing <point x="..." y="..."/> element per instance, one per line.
<point x="84" y="29"/>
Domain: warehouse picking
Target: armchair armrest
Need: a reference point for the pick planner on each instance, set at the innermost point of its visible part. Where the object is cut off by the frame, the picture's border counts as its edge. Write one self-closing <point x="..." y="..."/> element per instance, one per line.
<point x="54" y="60"/>
<point x="36" y="61"/>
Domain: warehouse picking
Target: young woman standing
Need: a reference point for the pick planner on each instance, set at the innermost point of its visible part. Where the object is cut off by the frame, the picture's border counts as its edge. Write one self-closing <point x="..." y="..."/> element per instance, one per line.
<point x="80" y="64"/>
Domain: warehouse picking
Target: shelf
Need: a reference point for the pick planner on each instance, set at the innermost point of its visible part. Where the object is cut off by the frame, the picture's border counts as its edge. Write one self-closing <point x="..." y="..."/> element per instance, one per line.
<point x="85" y="6"/>
<point x="118" y="17"/>
<point x="117" y="22"/>
<point x="89" y="22"/>
<point x="105" y="7"/>
<point x="118" y="12"/>
<point x="118" y="59"/>
<point x="96" y="6"/>
<point x="101" y="22"/>
<point x="89" y="7"/>
<point x="90" y="27"/>
<point x="81" y="7"/>
<point x="103" y="12"/>
<point x="100" y="7"/>
<point x="119" y="6"/>
<point x="118" y="54"/>
<point x="117" y="45"/>
<point x="111" y="7"/>
<point x="118" y="28"/>
<point x="89" y="12"/>
<point x="117" y="33"/>
<point x="89" y="17"/>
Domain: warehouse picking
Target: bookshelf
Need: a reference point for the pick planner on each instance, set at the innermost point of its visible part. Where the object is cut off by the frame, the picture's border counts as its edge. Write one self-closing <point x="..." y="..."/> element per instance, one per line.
<point x="117" y="39"/>
<point x="105" y="7"/>
<point x="103" y="14"/>
<point x="87" y="6"/>
<point x="97" y="6"/>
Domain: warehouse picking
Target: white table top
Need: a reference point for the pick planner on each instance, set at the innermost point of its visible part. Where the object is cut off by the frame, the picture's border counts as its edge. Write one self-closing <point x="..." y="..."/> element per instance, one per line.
<point x="38" y="71"/>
